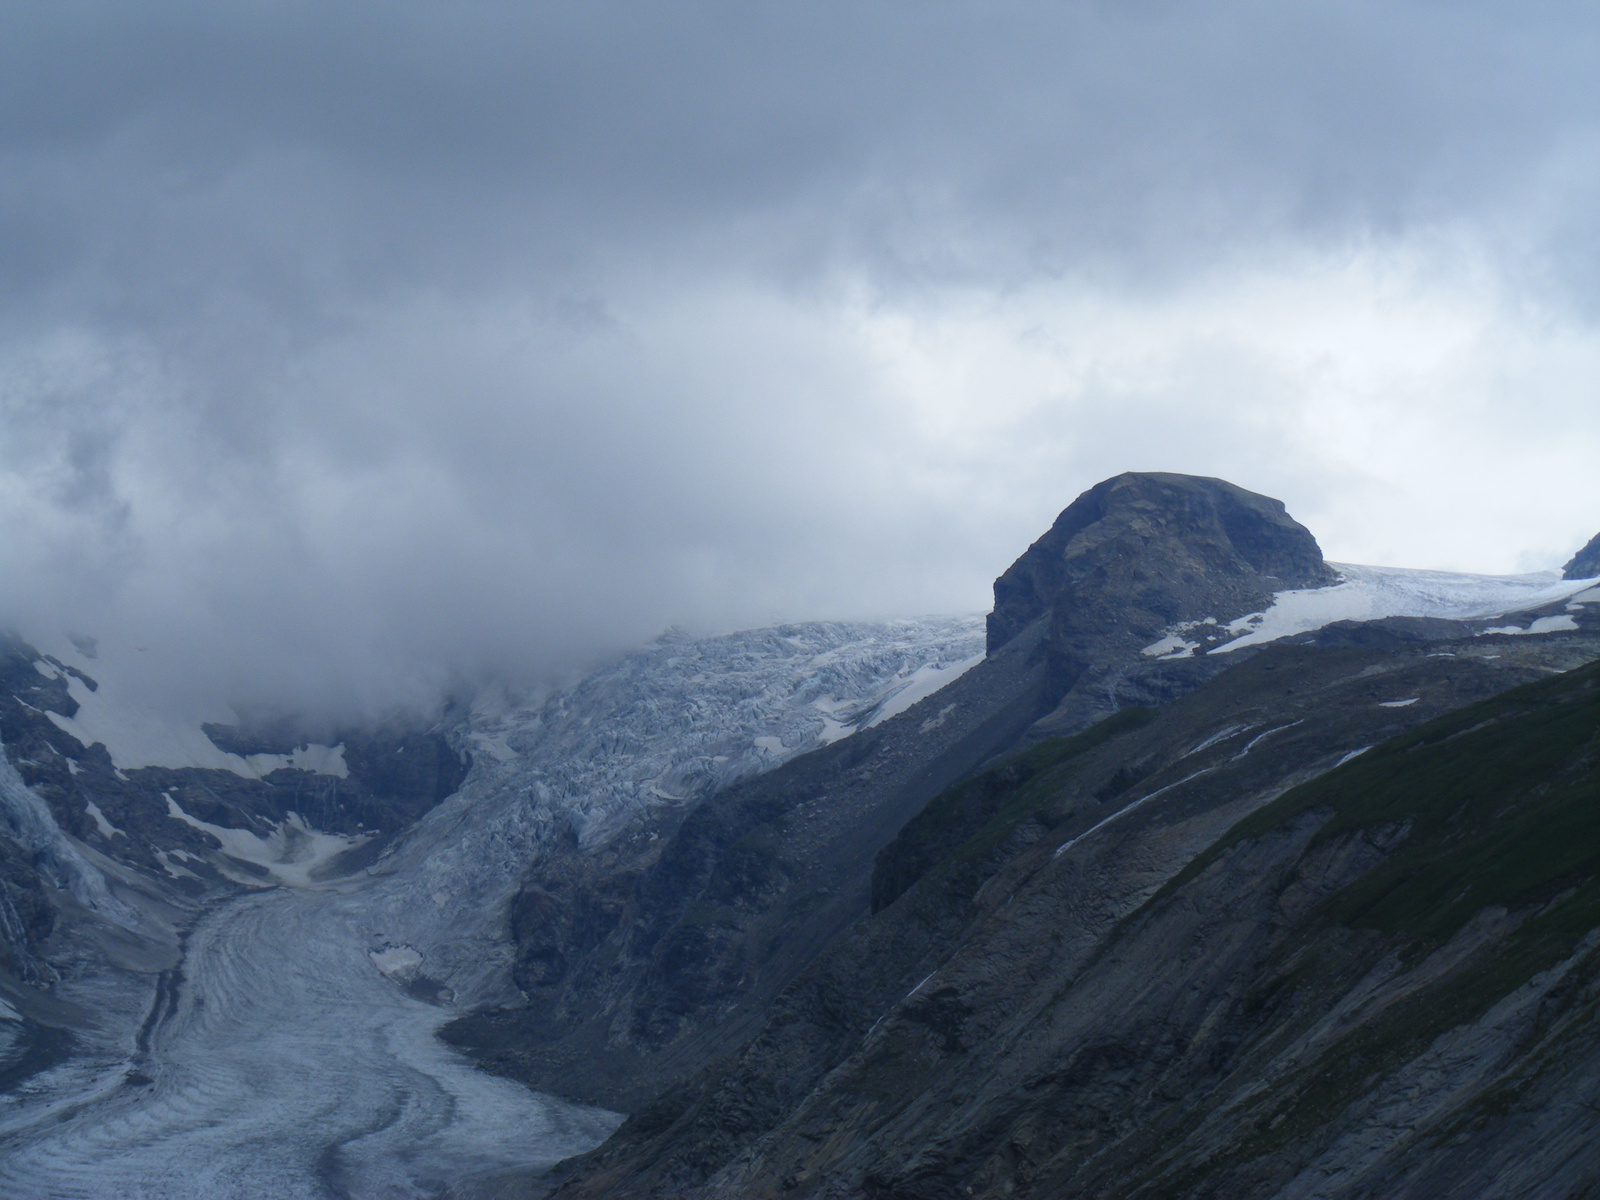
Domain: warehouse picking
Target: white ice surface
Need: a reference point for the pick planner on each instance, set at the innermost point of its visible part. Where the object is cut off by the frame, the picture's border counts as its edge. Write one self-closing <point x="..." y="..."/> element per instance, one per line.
<point x="1562" y="623"/>
<point x="293" y="1065"/>
<point x="1371" y="593"/>
<point x="920" y="684"/>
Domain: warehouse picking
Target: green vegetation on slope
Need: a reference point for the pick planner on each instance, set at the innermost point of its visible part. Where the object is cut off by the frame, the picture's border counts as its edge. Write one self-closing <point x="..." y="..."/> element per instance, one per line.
<point x="967" y="821"/>
<point x="1500" y="802"/>
<point x="1499" y="806"/>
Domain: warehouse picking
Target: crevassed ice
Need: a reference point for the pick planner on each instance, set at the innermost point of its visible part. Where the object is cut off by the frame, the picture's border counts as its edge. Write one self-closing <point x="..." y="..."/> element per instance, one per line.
<point x="663" y="725"/>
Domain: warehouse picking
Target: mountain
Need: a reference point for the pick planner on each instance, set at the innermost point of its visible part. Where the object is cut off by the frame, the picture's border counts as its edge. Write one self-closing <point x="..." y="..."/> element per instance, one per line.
<point x="1203" y="867"/>
<point x="280" y="986"/>
<point x="1299" y="929"/>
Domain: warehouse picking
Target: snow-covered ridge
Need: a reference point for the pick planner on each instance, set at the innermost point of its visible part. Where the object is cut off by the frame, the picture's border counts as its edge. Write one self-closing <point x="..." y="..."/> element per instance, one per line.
<point x="138" y="735"/>
<point x="1372" y="593"/>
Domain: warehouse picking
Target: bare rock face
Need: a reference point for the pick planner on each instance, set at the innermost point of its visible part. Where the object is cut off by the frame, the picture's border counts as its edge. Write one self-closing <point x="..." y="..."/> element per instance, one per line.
<point x="1141" y="551"/>
<point x="1585" y="563"/>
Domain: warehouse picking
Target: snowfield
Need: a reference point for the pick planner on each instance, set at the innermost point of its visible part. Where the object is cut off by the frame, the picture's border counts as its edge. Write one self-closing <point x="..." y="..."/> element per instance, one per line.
<point x="1372" y="593"/>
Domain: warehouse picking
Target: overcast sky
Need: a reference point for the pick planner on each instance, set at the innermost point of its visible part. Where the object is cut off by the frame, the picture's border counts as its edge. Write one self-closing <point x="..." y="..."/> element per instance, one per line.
<point x="348" y="349"/>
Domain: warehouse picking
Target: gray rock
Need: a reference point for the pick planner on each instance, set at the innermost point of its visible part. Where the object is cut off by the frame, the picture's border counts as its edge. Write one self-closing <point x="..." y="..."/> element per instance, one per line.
<point x="1585" y="563"/>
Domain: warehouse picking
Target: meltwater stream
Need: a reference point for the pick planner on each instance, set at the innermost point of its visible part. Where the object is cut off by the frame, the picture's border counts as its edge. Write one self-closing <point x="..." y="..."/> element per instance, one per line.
<point x="284" y="1058"/>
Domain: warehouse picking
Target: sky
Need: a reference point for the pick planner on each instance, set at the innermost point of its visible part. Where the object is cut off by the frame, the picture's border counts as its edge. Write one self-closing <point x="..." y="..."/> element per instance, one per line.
<point x="350" y="352"/>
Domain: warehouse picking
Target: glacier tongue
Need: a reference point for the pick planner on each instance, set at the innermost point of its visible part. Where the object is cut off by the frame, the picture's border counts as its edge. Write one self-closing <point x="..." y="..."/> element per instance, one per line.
<point x="292" y="1053"/>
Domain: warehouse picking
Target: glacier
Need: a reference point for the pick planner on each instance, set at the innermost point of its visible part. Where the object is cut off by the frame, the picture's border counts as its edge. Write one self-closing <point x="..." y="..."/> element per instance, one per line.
<point x="284" y="1056"/>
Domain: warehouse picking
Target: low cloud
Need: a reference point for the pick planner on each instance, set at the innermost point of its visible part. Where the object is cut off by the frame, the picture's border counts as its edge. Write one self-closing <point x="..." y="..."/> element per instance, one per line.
<point x="348" y="354"/>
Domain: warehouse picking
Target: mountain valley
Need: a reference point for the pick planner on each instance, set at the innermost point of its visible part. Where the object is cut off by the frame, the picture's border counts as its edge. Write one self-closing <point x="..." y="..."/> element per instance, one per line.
<point x="1201" y="867"/>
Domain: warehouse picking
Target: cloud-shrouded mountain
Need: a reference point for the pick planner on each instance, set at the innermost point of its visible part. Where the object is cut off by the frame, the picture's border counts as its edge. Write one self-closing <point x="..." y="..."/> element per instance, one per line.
<point x="845" y="909"/>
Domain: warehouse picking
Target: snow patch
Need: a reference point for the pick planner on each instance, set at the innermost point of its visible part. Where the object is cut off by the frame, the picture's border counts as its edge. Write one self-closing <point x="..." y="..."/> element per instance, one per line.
<point x="1406" y="703"/>
<point x="920" y="684"/>
<point x="106" y="828"/>
<point x="1561" y="624"/>
<point x="1352" y="755"/>
<point x="1372" y="593"/>
<point x="1251" y="745"/>
<point x="1220" y="736"/>
<point x="291" y="852"/>
<point x="1171" y="646"/>
<point x="399" y="963"/>
<point x="1126" y="809"/>
<point x="771" y="745"/>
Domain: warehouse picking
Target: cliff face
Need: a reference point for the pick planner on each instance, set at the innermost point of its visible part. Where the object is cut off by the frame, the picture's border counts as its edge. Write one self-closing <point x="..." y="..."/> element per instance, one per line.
<point x="1585" y="563"/>
<point x="1142" y="551"/>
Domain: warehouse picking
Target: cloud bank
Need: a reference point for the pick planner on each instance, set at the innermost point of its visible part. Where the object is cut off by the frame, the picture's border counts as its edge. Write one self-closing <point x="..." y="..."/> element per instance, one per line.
<point x="349" y="351"/>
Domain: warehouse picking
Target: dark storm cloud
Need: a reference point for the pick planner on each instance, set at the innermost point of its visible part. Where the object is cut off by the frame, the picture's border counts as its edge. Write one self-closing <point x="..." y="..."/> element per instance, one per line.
<point x="352" y="345"/>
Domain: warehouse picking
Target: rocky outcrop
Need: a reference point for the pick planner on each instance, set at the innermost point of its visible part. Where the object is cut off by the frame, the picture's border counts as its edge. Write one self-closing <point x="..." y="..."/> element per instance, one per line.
<point x="1142" y="551"/>
<point x="1134" y="559"/>
<point x="1585" y="563"/>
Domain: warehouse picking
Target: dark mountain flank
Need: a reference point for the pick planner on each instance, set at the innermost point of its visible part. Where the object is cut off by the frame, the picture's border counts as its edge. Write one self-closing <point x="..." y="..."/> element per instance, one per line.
<point x="1319" y="918"/>
<point x="1585" y="563"/>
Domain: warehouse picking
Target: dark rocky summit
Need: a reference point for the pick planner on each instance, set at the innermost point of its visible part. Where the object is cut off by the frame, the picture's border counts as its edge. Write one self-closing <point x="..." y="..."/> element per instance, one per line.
<point x="1585" y="563"/>
<point x="1137" y="557"/>
<point x="1314" y="919"/>
<point x="1140" y="552"/>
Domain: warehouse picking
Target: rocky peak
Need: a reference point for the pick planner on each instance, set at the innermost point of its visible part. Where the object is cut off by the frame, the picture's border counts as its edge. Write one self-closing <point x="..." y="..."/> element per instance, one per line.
<point x="1141" y="552"/>
<point x="1585" y="563"/>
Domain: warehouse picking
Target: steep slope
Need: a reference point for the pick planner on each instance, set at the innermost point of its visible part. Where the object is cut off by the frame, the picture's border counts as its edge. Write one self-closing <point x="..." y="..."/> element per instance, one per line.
<point x="641" y="965"/>
<point x="945" y="1009"/>
<point x="1585" y="564"/>
<point x="992" y="899"/>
